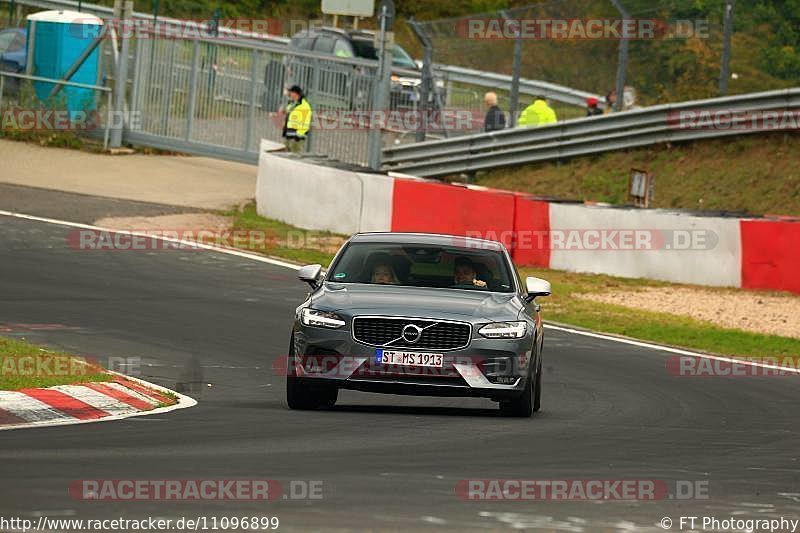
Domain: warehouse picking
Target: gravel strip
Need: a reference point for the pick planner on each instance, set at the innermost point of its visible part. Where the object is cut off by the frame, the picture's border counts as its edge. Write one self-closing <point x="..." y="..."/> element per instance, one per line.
<point x="185" y="222"/>
<point x="749" y="311"/>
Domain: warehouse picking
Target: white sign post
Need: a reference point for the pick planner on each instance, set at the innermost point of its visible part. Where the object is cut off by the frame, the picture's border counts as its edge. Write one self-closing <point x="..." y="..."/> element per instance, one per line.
<point x="349" y="8"/>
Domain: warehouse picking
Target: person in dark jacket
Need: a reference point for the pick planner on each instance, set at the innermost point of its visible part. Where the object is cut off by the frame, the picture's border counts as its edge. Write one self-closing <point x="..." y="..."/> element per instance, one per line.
<point x="591" y="107"/>
<point x="495" y="118"/>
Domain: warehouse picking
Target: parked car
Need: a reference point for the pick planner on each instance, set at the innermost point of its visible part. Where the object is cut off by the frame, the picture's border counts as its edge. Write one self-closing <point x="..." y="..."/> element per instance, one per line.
<point x="418" y="314"/>
<point x="13" y="54"/>
<point x="354" y="44"/>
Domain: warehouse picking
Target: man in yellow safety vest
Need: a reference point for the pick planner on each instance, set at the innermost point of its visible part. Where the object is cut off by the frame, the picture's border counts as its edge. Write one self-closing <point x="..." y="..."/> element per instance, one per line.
<point x="298" y="120"/>
<point x="537" y="114"/>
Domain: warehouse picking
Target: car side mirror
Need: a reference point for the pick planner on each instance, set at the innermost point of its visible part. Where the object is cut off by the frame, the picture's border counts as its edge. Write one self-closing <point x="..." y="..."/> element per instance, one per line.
<point x="310" y="274"/>
<point x="536" y="287"/>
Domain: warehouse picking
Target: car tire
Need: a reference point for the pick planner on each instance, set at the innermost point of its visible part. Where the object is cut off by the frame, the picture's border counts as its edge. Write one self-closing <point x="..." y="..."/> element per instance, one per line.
<point x="301" y="396"/>
<point x="522" y="405"/>
<point x="328" y="397"/>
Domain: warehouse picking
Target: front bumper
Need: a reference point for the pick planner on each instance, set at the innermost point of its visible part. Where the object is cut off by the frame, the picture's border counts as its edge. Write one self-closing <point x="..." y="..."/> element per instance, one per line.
<point x="490" y="368"/>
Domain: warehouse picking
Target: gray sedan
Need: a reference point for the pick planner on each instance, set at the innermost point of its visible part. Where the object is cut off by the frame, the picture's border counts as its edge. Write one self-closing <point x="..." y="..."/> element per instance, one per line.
<point x="419" y="314"/>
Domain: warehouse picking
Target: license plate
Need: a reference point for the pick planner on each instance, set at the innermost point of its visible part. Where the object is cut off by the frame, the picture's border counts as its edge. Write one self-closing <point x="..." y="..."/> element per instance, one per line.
<point x="387" y="357"/>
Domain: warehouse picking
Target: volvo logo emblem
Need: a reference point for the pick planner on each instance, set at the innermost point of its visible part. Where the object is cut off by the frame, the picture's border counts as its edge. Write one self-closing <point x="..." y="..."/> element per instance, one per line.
<point x="412" y="333"/>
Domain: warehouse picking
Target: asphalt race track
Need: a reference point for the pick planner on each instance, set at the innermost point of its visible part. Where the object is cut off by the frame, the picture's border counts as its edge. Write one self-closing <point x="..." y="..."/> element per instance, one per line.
<point x="213" y="324"/>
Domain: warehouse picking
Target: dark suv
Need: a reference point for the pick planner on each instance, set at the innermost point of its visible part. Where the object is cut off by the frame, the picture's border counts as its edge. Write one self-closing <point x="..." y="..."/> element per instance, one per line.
<point x="348" y="43"/>
<point x="337" y="82"/>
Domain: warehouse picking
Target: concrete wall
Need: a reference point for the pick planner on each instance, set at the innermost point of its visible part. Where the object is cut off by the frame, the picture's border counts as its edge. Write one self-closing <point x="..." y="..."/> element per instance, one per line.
<point x="650" y="244"/>
<point x="312" y="196"/>
<point x="625" y="242"/>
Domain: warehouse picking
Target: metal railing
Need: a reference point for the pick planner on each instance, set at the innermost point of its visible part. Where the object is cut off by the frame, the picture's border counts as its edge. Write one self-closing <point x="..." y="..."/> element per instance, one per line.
<point x="217" y="95"/>
<point x="43" y="107"/>
<point x="631" y="129"/>
<point x="491" y="80"/>
<point x="105" y="12"/>
<point x="219" y="98"/>
<point x="487" y="80"/>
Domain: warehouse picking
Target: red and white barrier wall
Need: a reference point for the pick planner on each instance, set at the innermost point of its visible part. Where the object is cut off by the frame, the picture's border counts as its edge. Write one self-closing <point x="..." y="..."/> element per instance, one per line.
<point x="653" y="244"/>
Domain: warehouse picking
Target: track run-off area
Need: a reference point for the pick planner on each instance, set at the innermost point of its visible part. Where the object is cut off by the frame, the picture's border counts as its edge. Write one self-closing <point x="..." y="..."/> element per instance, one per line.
<point x="212" y="324"/>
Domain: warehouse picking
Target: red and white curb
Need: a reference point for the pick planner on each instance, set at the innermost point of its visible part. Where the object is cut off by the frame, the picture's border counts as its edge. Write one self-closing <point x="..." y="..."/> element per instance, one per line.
<point x="124" y="397"/>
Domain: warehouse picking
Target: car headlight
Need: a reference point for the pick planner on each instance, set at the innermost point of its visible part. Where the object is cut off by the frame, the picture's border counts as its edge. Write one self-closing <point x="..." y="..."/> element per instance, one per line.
<point x="504" y="330"/>
<point x="321" y="319"/>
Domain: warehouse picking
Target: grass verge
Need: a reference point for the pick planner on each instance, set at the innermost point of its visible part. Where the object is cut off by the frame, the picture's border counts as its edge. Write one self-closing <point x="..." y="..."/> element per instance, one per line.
<point x="307" y="247"/>
<point x="283" y="240"/>
<point x="663" y="328"/>
<point x="703" y="175"/>
<point x="24" y="365"/>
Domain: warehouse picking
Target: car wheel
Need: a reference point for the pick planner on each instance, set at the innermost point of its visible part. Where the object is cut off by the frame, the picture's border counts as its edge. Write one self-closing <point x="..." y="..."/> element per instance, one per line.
<point x="301" y="396"/>
<point x="521" y="406"/>
<point x="328" y="397"/>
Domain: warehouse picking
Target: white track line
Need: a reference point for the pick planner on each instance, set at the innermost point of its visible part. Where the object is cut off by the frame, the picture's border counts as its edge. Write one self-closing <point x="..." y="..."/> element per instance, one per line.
<point x="185" y="242"/>
<point x="670" y="349"/>
<point x="284" y="264"/>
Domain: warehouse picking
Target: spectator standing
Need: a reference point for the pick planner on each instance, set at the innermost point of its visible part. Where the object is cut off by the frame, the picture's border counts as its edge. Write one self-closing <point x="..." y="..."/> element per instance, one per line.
<point x="591" y="107"/>
<point x="539" y="113"/>
<point x="298" y="120"/>
<point x="611" y="100"/>
<point x="495" y="118"/>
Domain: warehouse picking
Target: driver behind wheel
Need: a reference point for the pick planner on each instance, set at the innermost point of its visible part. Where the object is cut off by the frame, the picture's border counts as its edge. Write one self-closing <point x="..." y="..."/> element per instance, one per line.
<point x="465" y="273"/>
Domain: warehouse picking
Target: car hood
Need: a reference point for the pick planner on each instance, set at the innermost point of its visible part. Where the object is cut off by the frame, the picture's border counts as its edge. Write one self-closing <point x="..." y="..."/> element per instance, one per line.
<point x="355" y="299"/>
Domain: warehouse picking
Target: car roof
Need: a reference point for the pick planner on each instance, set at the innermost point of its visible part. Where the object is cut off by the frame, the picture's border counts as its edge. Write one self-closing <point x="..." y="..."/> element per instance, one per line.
<point x="439" y="239"/>
<point x="353" y="34"/>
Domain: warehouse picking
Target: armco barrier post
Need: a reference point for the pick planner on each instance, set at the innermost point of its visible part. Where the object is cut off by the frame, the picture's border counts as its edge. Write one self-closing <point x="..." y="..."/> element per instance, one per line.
<point x="622" y="66"/>
<point x="121" y="79"/>
<point x="426" y="87"/>
<point x="380" y="100"/>
<point x="513" y="105"/>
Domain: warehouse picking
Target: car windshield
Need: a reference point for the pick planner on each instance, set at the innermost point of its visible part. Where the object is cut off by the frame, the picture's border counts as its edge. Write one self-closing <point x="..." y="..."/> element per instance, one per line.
<point x="400" y="57"/>
<point x="423" y="265"/>
<point x="6" y="40"/>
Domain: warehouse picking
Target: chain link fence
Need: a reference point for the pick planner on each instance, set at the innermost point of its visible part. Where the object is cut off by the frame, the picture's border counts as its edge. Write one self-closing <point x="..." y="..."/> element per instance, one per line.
<point x="575" y="43"/>
<point x="231" y="95"/>
<point x="222" y="95"/>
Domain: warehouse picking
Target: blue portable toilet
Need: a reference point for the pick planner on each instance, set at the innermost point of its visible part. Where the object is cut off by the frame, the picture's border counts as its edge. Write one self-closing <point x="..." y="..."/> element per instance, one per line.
<point x="59" y="38"/>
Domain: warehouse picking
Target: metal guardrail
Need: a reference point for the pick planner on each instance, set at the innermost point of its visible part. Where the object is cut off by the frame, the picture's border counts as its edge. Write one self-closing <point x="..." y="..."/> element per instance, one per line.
<point x="77" y="85"/>
<point x="630" y="129"/>
<point x="492" y="80"/>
